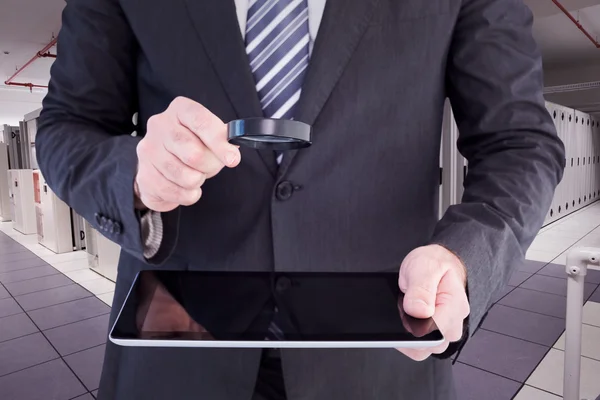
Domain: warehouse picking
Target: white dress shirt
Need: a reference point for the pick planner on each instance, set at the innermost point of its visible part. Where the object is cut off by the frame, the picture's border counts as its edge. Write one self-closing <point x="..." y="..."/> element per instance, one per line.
<point x="151" y="222"/>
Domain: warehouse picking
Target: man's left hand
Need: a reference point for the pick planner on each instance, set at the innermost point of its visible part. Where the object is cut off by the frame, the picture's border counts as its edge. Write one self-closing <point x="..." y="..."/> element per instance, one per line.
<point x="433" y="281"/>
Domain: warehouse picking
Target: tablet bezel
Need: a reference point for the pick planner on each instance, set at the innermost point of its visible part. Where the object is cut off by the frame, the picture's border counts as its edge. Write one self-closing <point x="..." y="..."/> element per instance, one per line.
<point x="263" y="344"/>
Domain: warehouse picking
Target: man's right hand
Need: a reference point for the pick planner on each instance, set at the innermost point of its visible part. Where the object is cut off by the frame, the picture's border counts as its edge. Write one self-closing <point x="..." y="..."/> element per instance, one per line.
<point x="183" y="146"/>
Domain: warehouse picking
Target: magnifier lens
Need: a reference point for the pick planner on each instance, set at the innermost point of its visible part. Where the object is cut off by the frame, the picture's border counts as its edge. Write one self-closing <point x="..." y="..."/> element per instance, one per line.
<point x="268" y="139"/>
<point x="270" y="134"/>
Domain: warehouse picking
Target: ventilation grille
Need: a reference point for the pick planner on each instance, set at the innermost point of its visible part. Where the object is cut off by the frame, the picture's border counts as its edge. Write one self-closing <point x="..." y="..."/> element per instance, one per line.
<point x="572" y="88"/>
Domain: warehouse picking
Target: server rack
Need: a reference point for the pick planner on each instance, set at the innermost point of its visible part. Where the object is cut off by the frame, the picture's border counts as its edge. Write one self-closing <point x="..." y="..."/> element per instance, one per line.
<point x="29" y="132"/>
<point x="103" y="254"/>
<point x="54" y="225"/>
<point x="12" y="138"/>
<point x="78" y="231"/>
<point x="22" y="201"/>
<point x="5" y="214"/>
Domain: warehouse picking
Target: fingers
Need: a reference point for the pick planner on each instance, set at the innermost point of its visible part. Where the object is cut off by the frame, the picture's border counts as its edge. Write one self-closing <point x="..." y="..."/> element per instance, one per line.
<point x="419" y="279"/>
<point x="188" y="149"/>
<point x="414" y="326"/>
<point x="208" y="128"/>
<point x="423" y="354"/>
<point x="183" y="146"/>
<point x="174" y="170"/>
<point x="452" y="307"/>
<point x="159" y="193"/>
<point x="166" y="134"/>
<point x="433" y="281"/>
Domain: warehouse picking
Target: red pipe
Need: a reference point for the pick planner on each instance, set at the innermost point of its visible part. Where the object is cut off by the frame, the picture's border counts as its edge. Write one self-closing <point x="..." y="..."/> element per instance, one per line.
<point x="581" y="28"/>
<point x="45" y="55"/>
<point x="29" y="85"/>
<point x="42" y="53"/>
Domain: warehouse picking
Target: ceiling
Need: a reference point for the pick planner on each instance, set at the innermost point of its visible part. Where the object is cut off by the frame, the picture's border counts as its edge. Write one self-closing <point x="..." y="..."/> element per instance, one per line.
<point x="562" y="43"/>
<point x="31" y="24"/>
<point x="25" y="30"/>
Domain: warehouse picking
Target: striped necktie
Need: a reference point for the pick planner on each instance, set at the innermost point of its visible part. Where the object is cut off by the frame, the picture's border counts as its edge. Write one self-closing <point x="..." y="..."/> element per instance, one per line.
<point x="277" y="44"/>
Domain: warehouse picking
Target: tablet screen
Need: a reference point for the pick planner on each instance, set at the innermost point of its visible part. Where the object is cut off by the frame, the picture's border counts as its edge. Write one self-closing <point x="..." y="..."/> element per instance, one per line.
<point x="233" y="306"/>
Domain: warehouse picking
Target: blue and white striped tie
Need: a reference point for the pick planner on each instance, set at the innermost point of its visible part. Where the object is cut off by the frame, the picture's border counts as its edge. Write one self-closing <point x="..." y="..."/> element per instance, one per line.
<point x="277" y="43"/>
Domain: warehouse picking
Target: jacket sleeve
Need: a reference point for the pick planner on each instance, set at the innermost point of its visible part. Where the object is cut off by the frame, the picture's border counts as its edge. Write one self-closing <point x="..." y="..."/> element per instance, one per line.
<point x="84" y="145"/>
<point x="515" y="158"/>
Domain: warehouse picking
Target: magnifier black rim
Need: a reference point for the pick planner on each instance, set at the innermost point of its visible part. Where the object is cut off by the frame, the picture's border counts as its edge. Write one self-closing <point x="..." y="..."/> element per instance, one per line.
<point x="296" y="133"/>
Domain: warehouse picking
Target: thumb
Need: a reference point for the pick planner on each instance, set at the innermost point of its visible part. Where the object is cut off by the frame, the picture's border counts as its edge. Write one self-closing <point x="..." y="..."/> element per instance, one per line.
<point x="419" y="280"/>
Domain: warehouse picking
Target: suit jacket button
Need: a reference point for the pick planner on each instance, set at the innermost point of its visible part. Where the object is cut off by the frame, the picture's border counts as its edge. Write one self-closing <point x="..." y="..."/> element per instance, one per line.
<point x="117" y="228"/>
<point x="103" y="223"/>
<point x="284" y="190"/>
<point x="98" y="218"/>
<point x="283" y="284"/>
<point x="110" y="226"/>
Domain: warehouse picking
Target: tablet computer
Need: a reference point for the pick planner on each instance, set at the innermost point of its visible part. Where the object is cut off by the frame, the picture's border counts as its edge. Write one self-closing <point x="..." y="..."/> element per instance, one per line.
<point x="269" y="310"/>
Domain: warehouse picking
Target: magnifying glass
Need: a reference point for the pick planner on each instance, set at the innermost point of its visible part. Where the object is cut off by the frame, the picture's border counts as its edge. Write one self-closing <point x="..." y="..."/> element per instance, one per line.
<point x="269" y="134"/>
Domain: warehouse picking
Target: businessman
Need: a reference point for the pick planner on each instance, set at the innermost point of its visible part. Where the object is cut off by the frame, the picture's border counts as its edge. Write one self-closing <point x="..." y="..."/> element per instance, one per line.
<point x="371" y="77"/>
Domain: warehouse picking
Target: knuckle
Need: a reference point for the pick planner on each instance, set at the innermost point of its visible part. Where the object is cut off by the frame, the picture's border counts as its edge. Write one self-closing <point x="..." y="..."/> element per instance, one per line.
<point x="179" y="136"/>
<point x="172" y="169"/>
<point x="154" y="122"/>
<point x="190" y="197"/>
<point x="193" y="180"/>
<point x="143" y="147"/>
<point x="194" y="156"/>
<point x="199" y="122"/>
<point x="175" y="193"/>
<point x="164" y="188"/>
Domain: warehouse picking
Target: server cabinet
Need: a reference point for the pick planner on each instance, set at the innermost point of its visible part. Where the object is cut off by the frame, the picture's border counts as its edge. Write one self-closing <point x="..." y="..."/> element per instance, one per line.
<point x="556" y="114"/>
<point x="53" y="216"/>
<point x="103" y="254"/>
<point x="91" y="247"/>
<point x="579" y="187"/>
<point x="594" y="162"/>
<point x="561" y="203"/>
<point x="23" y="201"/>
<point x="579" y="178"/>
<point x="569" y="182"/>
<point x="78" y="231"/>
<point x="24" y="146"/>
<point x="29" y="132"/>
<point x="5" y="214"/>
<point x="12" y="138"/>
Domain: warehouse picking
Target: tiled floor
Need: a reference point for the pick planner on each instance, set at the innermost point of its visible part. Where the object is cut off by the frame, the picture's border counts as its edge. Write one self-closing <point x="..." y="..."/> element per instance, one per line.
<point x="53" y="321"/>
<point x="518" y="352"/>
<point x="54" y="316"/>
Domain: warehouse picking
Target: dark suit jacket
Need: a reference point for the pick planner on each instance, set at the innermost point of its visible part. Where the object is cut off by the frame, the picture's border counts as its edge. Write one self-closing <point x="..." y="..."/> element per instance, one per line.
<point x="362" y="197"/>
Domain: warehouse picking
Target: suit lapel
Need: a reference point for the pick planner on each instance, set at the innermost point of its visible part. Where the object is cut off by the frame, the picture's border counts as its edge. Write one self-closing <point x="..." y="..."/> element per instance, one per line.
<point x="342" y="26"/>
<point x="218" y="29"/>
